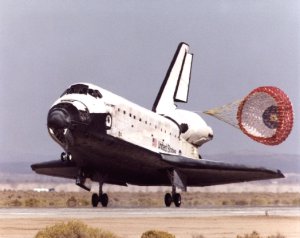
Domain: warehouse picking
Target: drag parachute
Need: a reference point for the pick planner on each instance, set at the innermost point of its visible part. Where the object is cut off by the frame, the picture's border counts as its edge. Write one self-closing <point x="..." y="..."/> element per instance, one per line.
<point x="265" y="115"/>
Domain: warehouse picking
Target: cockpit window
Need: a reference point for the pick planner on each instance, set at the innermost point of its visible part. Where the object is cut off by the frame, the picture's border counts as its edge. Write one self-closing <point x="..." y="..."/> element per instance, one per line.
<point x="82" y="89"/>
<point x="95" y="93"/>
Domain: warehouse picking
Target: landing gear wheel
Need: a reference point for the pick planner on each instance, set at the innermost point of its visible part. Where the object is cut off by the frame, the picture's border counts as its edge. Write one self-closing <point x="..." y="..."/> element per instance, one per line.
<point x="177" y="199"/>
<point x="95" y="199"/>
<point x="69" y="156"/>
<point x="168" y="199"/>
<point x="104" y="200"/>
<point x="101" y="198"/>
<point x="63" y="156"/>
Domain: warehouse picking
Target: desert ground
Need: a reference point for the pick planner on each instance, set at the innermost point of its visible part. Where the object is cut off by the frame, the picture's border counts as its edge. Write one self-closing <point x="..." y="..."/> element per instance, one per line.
<point x="182" y="227"/>
<point x="182" y="224"/>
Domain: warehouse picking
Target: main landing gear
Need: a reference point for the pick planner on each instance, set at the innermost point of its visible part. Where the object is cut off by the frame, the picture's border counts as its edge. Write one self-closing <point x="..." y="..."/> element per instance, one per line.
<point x="175" y="197"/>
<point x="101" y="198"/>
<point x="179" y="181"/>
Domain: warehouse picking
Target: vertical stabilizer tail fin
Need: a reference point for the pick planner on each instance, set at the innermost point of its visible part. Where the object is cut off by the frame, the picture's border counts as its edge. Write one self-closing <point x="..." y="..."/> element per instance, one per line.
<point x="175" y="87"/>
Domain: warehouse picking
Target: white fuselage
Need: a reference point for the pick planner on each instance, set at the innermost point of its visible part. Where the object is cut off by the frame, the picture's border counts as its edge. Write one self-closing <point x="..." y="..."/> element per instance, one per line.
<point x="142" y="127"/>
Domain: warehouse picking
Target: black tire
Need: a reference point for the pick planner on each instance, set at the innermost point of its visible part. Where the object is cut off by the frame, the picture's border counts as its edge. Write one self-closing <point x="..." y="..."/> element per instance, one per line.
<point x="69" y="156"/>
<point x="63" y="156"/>
<point x="95" y="199"/>
<point x="177" y="199"/>
<point x="104" y="200"/>
<point x="168" y="200"/>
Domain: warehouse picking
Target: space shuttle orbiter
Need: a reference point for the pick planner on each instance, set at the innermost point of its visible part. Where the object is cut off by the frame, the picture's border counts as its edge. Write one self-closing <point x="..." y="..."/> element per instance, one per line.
<point x="108" y="139"/>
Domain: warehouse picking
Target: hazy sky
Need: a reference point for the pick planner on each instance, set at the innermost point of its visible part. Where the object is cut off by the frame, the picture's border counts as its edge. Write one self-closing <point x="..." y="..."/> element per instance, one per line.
<point x="126" y="47"/>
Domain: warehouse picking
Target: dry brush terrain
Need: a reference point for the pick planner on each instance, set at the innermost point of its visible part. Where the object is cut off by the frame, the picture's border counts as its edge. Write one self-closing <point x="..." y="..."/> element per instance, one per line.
<point x="141" y="199"/>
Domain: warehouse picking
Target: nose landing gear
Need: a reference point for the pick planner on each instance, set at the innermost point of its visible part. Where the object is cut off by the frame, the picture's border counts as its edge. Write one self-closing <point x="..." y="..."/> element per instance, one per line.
<point x="65" y="156"/>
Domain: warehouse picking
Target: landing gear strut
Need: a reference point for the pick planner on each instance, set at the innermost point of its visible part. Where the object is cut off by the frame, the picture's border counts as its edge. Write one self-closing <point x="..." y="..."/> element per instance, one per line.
<point x="101" y="198"/>
<point x="175" y="197"/>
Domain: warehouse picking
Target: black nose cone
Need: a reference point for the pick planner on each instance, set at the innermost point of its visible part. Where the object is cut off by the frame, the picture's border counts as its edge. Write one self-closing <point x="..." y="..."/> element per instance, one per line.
<point x="58" y="119"/>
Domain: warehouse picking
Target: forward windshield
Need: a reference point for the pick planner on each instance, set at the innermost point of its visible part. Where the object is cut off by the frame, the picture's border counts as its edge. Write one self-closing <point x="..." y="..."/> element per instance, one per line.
<point x="82" y="89"/>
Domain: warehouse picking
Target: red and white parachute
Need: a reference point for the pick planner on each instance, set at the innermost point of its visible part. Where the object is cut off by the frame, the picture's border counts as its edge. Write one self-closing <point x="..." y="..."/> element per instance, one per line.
<point x="265" y="115"/>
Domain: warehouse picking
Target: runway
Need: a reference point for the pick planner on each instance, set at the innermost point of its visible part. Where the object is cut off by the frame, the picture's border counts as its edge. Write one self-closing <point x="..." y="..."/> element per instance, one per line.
<point x="182" y="222"/>
<point x="83" y="213"/>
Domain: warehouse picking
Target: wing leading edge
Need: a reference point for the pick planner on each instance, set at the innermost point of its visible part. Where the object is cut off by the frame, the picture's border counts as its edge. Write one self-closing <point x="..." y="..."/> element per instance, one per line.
<point x="57" y="168"/>
<point x="205" y="172"/>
